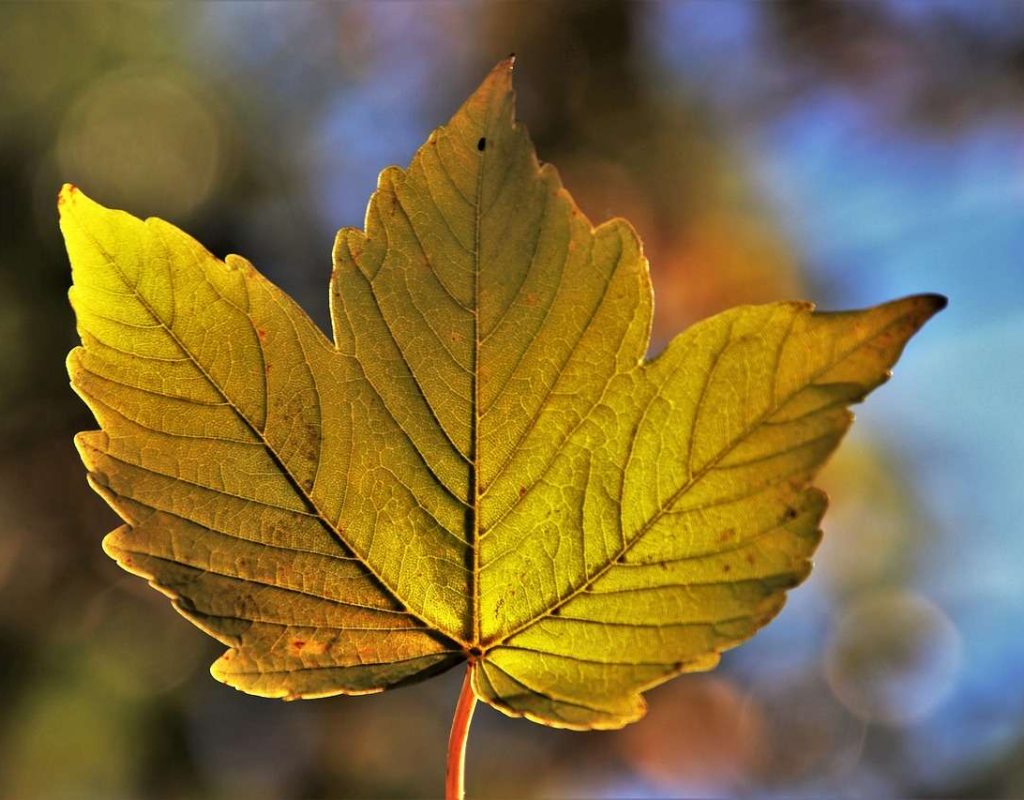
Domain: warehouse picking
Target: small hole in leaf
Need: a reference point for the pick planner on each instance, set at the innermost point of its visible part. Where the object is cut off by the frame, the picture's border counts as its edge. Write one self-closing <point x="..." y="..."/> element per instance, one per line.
<point x="482" y="144"/>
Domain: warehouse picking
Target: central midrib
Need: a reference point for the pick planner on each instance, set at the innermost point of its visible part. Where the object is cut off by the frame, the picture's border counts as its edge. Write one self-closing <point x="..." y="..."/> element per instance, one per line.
<point x="474" y="533"/>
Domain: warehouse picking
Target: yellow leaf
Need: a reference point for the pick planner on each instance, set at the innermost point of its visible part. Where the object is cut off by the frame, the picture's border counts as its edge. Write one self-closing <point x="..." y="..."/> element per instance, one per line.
<point x="482" y="465"/>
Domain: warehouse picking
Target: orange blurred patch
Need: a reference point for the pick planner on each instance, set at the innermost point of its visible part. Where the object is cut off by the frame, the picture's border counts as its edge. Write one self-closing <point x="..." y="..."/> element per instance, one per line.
<point x="699" y="735"/>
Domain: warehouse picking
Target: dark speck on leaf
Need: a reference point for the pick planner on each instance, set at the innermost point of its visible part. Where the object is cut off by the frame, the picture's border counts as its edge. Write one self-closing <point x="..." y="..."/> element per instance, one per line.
<point x="482" y="144"/>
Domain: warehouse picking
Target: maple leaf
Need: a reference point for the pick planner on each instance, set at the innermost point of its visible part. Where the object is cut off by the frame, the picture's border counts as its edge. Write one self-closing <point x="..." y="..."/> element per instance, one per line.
<point x="482" y="466"/>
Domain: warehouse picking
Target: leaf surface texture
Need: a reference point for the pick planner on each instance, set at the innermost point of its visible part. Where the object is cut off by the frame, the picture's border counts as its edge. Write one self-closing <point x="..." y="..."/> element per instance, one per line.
<point x="482" y="464"/>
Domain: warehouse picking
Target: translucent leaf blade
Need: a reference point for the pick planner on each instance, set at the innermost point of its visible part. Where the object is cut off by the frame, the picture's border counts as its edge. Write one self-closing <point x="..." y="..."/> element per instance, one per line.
<point x="482" y="464"/>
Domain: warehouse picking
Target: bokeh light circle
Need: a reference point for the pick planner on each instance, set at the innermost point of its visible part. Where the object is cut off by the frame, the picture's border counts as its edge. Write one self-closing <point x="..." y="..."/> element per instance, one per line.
<point x="150" y="142"/>
<point x="894" y="657"/>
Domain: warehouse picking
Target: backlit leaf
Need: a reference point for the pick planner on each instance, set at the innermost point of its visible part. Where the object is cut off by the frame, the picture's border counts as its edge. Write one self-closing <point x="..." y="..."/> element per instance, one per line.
<point x="482" y="464"/>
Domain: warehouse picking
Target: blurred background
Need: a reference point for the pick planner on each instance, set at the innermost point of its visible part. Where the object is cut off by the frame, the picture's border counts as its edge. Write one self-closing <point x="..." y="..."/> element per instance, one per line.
<point x="846" y="153"/>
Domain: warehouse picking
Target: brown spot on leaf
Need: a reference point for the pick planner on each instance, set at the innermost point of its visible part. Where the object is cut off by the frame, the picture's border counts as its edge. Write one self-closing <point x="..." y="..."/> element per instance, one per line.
<point x="726" y="567"/>
<point x="790" y="513"/>
<point x="522" y="492"/>
<point x="726" y="535"/>
<point x="303" y="646"/>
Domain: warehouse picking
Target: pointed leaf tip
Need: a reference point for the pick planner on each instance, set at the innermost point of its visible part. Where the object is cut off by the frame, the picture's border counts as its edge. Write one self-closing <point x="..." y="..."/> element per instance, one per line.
<point x="500" y="75"/>
<point x="928" y="305"/>
<point x="66" y="193"/>
<point x="499" y="80"/>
